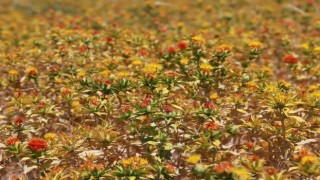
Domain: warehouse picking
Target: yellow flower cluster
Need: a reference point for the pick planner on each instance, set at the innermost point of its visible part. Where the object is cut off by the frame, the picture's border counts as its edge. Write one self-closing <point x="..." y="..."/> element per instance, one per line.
<point x="134" y="162"/>
<point x="151" y="68"/>
<point x="198" y="39"/>
<point x="255" y="45"/>
<point x="193" y="159"/>
<point x="205" y="67"/>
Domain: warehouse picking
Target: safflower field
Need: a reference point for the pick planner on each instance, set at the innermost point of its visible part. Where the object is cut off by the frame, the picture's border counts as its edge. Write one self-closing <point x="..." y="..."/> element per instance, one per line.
<point x="159" y="89"/>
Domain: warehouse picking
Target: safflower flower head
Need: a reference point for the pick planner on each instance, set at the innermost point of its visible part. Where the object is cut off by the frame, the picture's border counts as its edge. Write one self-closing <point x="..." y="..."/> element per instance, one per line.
<point x="224" y="167"/>
<point x="13" y="72"/>
<point x="19" y="120"/>
<point x="223" y="49"/>
<point x="290" y="59"/>
<point x="212" y="126"/>
<point x="198" y="39"/>
<point x="255" y="45"/>
<point x="50" y="136"/>
<point x="182" y="45"/>
<point x="12" y="141"/>
<point x="134" y="162"/>
<point x="184" y="61"/>
<point x="32" y="71"/>
<point x="205" y="67"/>
<point x="37" y="144"/>
<point x="194" y="158"/>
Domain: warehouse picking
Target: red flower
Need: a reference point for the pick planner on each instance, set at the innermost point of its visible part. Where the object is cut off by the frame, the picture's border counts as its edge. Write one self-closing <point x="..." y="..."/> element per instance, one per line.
<point x="249" y="144"/>
<point x="208" y="105"/>
<point x="83" y="49"/>
<point x="109" y="39"/>
<point x="126" y="108"/>
<point x="290" y="59"/>
<point x="271" y="171"/>
<point x="37" y="144"/>
<point x="107" y="82"/>
<point x="19" y="120"/>
<point x="148" y="97"/>
<point x="170" y="74"/>
<point x="167" y="108"/>
<point x="145" y="103"/>
<point x="143" y="52"/>
<point x="54" y="68"/>
<point x="12" y="141"/>
<point x="254" y="158"/>
<point x="95" y="32"/>
<point x="182" y="45"/>
<point x="18" y="94"/>
<point x="306" y="62"/>
<point x="311" y="2"/>
<point x="41" y="105"/>
<point x="171" y="50"/>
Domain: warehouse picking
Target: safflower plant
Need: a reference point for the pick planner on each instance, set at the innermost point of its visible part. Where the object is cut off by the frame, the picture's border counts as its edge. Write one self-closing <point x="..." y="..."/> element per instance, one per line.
<point x="192" y="89"/>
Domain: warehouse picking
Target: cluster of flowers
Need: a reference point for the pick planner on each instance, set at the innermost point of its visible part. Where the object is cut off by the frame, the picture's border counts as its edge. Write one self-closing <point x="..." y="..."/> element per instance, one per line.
<point x="160" y="89"/>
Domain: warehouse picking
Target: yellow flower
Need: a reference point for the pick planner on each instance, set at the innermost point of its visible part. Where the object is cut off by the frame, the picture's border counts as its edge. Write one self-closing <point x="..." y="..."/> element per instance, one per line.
<point x="205" y="24"/>
<point x="252" y="84"/>
<point x="241" y="174"/>
<point x="198" y="39"/>
<point x="180" y="24"/>
<point x="13" y="72"/>
<point x="105" y="73"/>
<point x="222" y="48"/>
<point x="184" y="61"/>
<point x="151" y="68"/>
<point x="308" y="159"/>
<point x="267" y="70"/>
<point x="214" y="96"/>
<point x="58" y="80"/>
<point x="137" y="62"/>
<point x="313" y="87"/>
<point x="316" y="94"/>
<point x="205" y="67"/>
<point x="316" y="49"/>
<point x="50" y="136"/>
<point x="32" y="71"/>
<point x="285" y="83"/>
<point x="75" y="104"/>
<point x="122" y="74"/>
<point x="134" y="162"/>
<point x="304" y="46"/>
<point x="255" y="45"/>
<point x="194" y="159"/>
<point x="81" y="74"/>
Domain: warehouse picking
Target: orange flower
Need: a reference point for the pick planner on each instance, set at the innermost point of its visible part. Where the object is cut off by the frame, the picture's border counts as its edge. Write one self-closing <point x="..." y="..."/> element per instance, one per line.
<point x="89" y="166"/>
<point x="224" y="167"/>
<point x="303" y="152"/>
<point x="211" y="126"/>
<point x="222" y="48"/>
<point x="12" y="141"/>
<point x="271" y="171"/>
<point x="170" y="168"/>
